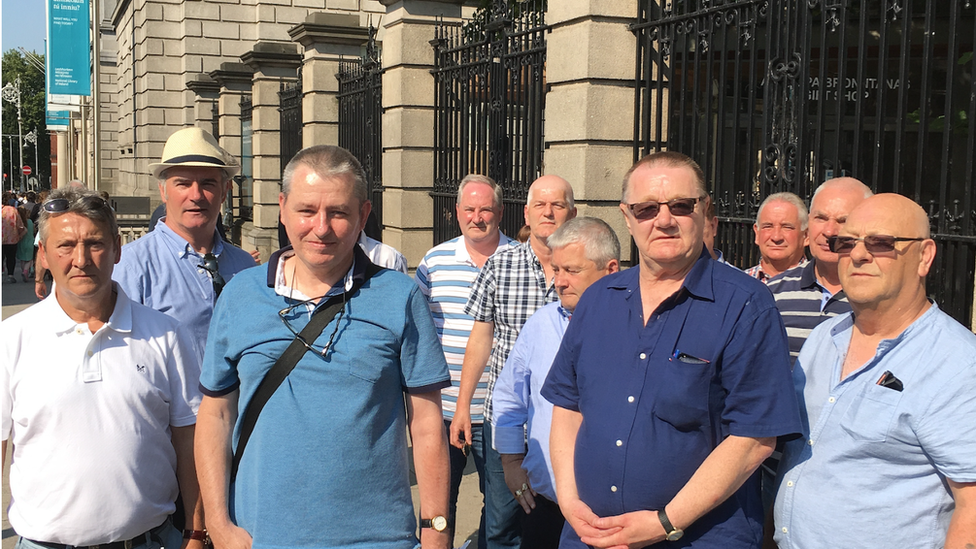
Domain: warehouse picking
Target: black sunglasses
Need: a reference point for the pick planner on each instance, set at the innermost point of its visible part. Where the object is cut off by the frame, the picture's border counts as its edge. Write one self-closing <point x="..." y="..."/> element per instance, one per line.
<point x="58" y="205"/>
<point x="875" y="243"/>
<point x="210" y="265"/>
<point x="645" y="211"/>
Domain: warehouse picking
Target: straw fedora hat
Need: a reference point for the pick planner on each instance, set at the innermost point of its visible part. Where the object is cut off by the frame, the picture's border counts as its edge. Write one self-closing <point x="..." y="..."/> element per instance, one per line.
<point x="194" y="147"/>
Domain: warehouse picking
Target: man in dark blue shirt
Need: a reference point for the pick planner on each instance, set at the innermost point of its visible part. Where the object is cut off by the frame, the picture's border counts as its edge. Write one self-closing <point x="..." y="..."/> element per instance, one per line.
<point x="671" y="384"/>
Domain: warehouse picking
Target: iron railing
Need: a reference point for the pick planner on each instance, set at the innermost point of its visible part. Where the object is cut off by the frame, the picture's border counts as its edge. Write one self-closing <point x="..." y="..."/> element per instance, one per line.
<point x="290" y="113"/>
<point x="489" y="102"/>
<point x="780" y="95"/>
<point x="360" y="118"/>
<point x="243" y="208"/>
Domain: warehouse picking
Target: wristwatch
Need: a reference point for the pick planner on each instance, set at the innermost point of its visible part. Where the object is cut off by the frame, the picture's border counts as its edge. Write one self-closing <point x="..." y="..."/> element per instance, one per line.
<point x="671" y="533"/>
<point x="437" y="523"/>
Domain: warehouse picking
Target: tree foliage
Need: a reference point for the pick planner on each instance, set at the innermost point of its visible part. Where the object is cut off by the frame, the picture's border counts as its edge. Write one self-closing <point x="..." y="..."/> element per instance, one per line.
<point x="32" y="99"/>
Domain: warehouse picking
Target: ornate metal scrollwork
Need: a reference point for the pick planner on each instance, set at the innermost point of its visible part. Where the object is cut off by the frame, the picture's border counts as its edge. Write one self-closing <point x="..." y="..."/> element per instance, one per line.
<point x="894" y="9"/>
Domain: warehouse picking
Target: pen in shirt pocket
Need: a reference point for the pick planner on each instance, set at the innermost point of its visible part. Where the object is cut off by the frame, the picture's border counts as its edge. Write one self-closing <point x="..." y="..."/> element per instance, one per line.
<point x="688" y="359"/>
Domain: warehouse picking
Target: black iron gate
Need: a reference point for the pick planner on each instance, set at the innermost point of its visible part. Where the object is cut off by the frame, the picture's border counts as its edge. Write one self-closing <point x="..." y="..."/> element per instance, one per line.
<point x="360" y="117"/>
<point x="489" y="101"/>
<point x="290" y="111"/>
<point x="780" y="95"/>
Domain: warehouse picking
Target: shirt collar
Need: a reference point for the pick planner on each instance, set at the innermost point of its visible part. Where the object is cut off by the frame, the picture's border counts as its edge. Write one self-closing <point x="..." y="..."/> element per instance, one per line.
<point x="276" y="275"/>
<point x="808" y="276"/>
<point x="461" y="254"/>
<point x="698" y="281"/>
<point x="60" y="323"/>
<point x="181" y="245"/>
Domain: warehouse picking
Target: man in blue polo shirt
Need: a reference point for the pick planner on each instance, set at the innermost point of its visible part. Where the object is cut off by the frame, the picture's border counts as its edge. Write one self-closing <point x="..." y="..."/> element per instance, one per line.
<point x="671" y="384"/>
<point x="327" y="462"/>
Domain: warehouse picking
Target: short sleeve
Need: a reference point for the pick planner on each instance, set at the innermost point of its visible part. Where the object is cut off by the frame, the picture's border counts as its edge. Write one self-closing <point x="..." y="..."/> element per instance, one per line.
<point x="756" y="375"/>
<point x="481" y="300"/>
<point x="183" y="372"/>
<point x="218" y="375"/>
<point x="422" y="362"/>
<point x="422" y="278"/>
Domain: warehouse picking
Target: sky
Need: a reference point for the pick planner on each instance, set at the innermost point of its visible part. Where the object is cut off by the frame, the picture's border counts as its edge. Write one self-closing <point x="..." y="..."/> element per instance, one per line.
<point x="23" y="25"/>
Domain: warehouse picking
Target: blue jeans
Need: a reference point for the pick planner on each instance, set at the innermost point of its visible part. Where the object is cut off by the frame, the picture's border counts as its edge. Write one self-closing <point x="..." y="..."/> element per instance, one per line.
<point x="165" y="536"/>
<point x="503" y="515"/>
<point x="458" y="462"/>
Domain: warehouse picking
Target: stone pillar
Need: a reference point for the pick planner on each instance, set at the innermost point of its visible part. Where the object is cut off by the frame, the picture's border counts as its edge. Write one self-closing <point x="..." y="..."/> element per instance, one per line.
<point x="590" y="105"/>
<point x="408" y="122"/>
<point x="234" y="80"/>
<point x="206" y="92"/>
<point x="272" y="63"/>
<point x="327" y="38"/>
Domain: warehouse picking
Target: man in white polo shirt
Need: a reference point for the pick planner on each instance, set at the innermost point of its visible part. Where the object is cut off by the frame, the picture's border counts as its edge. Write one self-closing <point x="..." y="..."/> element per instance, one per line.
<point x="99" y="399"/>
<point x="445" y="276"/>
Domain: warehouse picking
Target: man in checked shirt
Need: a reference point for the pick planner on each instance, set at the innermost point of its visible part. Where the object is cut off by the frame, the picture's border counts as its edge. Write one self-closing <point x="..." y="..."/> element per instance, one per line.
<point x="510" y="287"/>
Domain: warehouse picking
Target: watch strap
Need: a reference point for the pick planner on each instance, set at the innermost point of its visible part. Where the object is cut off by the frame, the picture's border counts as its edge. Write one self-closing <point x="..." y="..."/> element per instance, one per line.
<point x="665" y="522"/>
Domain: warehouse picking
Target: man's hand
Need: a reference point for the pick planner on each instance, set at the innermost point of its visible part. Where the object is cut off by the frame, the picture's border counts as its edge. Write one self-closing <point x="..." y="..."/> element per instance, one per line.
<point x="517" y="480"/>
<point x="627" y="531"/>
<point x="461" y="425"/>
<point x="582" y="519"/>
<point x="40" y="289"/>
<point x="229" y="536"/>
<point x="431" y="539"/>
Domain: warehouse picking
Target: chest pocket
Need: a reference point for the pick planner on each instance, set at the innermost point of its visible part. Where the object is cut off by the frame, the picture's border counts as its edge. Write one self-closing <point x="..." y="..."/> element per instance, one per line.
<point x="682" y="392"/>
<point x="870" y="417"/>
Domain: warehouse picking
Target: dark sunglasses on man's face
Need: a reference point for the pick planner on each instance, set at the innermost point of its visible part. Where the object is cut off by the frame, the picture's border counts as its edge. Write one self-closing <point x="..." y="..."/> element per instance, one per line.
<point x="58" y="205"/>
<point x="645" y="211"/>
<point x="875" y="243"/>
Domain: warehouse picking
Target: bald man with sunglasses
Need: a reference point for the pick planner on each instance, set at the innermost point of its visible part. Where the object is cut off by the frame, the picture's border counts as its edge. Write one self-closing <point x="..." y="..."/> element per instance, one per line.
<point x="671" y="385"/>
<point x="886" y="398"/>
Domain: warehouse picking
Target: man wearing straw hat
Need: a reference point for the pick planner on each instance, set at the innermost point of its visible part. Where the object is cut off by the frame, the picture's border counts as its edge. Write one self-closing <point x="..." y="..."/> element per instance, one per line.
<point x="181" y="267"/>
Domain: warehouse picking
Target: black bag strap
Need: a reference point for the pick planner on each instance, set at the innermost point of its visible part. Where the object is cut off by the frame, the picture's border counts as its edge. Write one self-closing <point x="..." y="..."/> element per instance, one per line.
<point x="289" y="359"/>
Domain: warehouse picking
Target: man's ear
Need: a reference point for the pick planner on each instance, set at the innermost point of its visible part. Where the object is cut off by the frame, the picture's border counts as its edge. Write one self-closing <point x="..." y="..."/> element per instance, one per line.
<point x="927" y="257"/>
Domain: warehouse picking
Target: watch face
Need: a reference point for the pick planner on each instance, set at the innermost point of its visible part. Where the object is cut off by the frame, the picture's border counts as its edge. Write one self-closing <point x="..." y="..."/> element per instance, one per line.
<point x="675" y="535"/>
<point x="439" y="523"/>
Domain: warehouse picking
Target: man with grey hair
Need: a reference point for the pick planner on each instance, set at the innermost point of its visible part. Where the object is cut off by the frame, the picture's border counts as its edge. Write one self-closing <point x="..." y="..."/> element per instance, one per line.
<point x="445" y="276"/>
<point x="331" y="362"/>
<point x="781" y="235"/>
<point x="511" y="286"/>
<point x="584" y="250"/>
<point x="99" y="399"/>
<point x="181" y="267"/>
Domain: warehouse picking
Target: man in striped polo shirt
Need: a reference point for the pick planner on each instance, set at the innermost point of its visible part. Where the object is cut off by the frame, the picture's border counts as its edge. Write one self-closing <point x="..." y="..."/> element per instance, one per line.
<point x="809" y="294"/>
<point x="445" y="276"/>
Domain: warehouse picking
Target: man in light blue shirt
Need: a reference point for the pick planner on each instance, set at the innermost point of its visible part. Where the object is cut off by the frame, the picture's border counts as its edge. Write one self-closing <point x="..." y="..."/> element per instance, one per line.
<point x="180" y="268"/>
<point x="888" y="457"/>
<point x="584" y="250"/>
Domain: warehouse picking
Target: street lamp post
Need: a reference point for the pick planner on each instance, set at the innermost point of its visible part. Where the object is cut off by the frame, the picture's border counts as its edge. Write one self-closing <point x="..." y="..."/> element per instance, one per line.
<point x="11" y="94"/>
<point x="32" y="138"/>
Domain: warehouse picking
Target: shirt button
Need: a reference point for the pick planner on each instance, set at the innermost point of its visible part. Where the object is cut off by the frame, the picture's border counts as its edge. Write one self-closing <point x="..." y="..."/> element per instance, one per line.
<point x="630" y="399"/>
<point x="784" y="529"/>
<point x="810" y="442"/>
<point x="789" y="483"/>
<point x="643" y="356"/>
<point x="90" y="353"/>
<point x="620" y="443"/>
<point x="831" y="399"/>
<point x="613" y="488"/>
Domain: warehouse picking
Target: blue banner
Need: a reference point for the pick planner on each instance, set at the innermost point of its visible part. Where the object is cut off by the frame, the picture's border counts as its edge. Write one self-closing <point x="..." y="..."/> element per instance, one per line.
<point x="57" y="120"/>
<point x="68" y="47"/>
